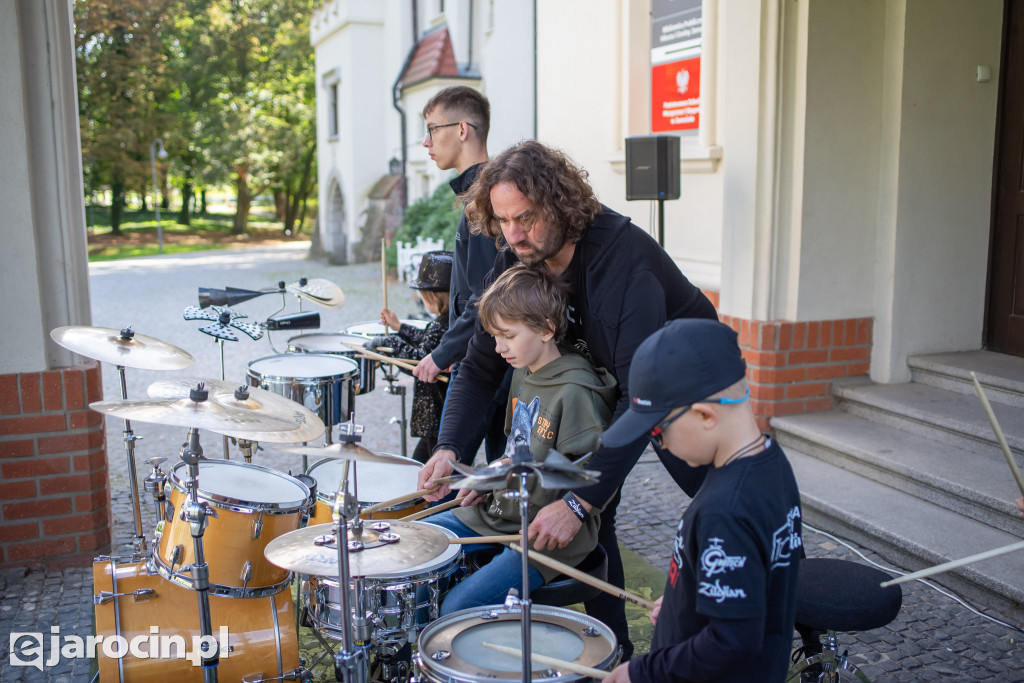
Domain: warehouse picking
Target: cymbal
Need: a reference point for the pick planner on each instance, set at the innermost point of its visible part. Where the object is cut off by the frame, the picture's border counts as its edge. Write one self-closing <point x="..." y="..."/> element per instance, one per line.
<point x="122" y="347"/>
<point x="319" y="291"/>
<point x="555" y="472"/>
<point x="349" y="451"/>
<point x="308" y="425"/>
<point x="300" y="550"/>
<point x="243" y="424"/>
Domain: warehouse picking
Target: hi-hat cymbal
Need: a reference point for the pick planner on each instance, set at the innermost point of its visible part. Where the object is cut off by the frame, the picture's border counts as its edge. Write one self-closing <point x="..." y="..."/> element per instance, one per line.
<point x="123" y="347"/>
<point x="314" y="550"/>
<point x="350" y="451"/>
<point x="254" y="425"/>
<point x="555" y="472"/>
<point x="319" y="291"/>
<point x="308" y="425"/>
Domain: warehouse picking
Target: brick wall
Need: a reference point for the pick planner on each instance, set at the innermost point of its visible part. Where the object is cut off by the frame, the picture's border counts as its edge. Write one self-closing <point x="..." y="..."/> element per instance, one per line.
<point x="54" y="493"/>
<point x="791" y="366"/>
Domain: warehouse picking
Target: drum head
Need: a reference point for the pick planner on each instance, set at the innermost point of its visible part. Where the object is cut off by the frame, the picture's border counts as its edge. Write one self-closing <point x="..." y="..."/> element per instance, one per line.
<point x="324" y="343"/>
<point x="372" y="328"/>
<point x="299" y="366"/>
<point x="245" y="485"/>
<point x="376" y="481"/>
<point x="451" y="648"/>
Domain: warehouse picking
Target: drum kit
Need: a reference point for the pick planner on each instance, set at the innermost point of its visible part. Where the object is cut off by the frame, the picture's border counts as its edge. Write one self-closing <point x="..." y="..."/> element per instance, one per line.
<point x="232" y="538"/>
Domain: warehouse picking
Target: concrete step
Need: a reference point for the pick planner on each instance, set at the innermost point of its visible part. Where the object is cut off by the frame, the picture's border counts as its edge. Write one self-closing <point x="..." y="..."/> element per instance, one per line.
<point x="1000" y="375"/>
<point x="936" y="414"/>
<point x="967" y="483"/>
<point x="912" y="533"/>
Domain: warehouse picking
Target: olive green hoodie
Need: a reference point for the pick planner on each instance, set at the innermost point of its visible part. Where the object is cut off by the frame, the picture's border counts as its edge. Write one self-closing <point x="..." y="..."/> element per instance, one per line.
<point x="565" y="405"/>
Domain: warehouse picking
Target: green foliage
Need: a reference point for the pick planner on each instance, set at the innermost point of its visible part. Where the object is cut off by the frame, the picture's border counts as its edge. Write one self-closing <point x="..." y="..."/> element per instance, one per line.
<point x="432" y="217"/>
<point x="228" y="85"/>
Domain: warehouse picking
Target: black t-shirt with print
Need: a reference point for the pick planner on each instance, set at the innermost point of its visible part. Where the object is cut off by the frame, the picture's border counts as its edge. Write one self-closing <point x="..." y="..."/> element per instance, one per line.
<point x="735" y="557"/>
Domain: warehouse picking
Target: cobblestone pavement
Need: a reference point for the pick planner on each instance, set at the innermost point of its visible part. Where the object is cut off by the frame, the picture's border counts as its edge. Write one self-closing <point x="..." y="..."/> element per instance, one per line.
<point x="933" y="638"/>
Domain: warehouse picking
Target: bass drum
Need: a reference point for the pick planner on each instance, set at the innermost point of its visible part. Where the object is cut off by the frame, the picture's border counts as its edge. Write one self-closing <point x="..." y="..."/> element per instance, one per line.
<point x="451" y="650"/>
<point x="261" y="634"/>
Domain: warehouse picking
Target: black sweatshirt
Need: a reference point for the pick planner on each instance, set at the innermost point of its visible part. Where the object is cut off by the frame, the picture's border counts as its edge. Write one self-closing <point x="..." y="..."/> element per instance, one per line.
<point x="631" y="287"/>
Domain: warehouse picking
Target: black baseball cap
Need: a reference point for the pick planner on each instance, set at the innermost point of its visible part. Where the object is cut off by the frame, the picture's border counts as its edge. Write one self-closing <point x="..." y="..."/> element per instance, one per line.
<point x="684" y="362"/>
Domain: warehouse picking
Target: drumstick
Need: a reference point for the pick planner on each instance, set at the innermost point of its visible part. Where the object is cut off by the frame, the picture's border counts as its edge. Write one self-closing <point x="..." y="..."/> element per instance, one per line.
<point x="551" y="661"/>
<point x="386" y="359"/>
<point x="588" y="579"/>
<point x="430" y="511"/>
<point x="999" y="433"/>
<point x="384" y="277"/>
<point x="396" y="501"/>
<point x="509" y="538"/>
<point x="938" y="569"/>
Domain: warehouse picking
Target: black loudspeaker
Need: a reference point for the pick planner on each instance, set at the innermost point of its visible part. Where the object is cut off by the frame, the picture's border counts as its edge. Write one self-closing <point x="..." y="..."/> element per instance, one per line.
<point x="652" y="167"/>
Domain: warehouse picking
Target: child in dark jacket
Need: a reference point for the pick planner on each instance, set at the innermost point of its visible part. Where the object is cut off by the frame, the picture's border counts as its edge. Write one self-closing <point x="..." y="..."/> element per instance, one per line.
<point x="730" y="598"/>
<point x="414" y="344"/>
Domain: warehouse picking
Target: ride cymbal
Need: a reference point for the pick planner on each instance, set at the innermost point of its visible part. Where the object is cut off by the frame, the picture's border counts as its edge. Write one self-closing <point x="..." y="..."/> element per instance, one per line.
<point x="123" y="347"/>
<point x="308" y="425"/>
<point x="314" y="550"/>
<point x="254" y="425"/>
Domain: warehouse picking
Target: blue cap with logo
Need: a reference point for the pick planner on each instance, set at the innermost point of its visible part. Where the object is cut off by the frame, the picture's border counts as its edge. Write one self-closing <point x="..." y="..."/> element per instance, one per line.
<point x="685" y="362"/>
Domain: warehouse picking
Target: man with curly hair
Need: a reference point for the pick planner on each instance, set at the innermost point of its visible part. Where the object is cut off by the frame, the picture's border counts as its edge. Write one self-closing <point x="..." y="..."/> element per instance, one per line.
<point x="538" y="207"/>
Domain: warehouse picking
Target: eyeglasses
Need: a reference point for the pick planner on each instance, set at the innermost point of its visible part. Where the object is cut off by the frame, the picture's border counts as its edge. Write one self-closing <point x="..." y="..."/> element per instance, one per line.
<point x="657" y="435"/>
<point x="431" y="129"/>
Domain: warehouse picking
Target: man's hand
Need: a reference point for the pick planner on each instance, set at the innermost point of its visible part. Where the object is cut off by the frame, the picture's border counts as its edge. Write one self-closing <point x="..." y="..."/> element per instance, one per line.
<point x="657" y="610"/>
<point x="619" y="674"/>
<point x="1020" y="506"/>
<point x="554" y="526"/>
<point x="426" y="370"/>
<point x="439" y="465"/>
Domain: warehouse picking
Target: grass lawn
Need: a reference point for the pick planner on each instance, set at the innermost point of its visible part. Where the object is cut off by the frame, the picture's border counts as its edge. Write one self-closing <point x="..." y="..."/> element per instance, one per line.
<point x="138" y="236"/>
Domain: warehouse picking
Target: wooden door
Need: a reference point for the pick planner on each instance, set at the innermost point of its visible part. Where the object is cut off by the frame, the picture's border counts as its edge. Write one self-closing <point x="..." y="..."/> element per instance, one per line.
<point x="1005" y="315"/>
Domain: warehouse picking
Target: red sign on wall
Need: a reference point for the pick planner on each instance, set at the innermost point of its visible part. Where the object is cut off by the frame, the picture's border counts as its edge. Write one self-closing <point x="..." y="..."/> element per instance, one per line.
<point x="675" y="96"/>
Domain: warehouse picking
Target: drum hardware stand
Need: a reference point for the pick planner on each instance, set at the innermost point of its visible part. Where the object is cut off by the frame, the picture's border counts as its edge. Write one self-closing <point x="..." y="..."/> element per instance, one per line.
<point x="350" y="663"/>
<point x="154" y="485"/>
<point x="197" y="513"/>
<point x="395" y="389"/>
<point x="299" y="673"/>
<point x="138" y="541"/>
<point x="522" y="454"/>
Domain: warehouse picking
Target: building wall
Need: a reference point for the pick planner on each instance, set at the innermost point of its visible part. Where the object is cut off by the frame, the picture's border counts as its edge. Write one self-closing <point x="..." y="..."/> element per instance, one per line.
<point x="54" y="490"/>
<point x="935" y="229"/>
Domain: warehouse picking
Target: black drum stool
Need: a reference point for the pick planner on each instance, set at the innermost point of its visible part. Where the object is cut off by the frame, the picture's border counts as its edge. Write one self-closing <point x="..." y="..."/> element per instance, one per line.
<point x="838" y="595"/>
<point x="562" y="590"/>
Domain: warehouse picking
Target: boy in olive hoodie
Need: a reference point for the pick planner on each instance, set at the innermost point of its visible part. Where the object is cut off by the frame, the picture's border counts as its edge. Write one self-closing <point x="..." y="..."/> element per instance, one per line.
<point x="556" y="400"/>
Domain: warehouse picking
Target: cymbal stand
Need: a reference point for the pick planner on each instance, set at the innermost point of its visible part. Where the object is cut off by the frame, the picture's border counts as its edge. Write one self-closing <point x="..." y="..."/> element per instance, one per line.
<point x="138" y="540"/>
<point x="350" y="663"/>
<point x="522" y="454"/>
<point x="395" y="389"/>
<point x="220" y="343"/>
<point x="155" y="485"/>
<point x="197" y="514"/>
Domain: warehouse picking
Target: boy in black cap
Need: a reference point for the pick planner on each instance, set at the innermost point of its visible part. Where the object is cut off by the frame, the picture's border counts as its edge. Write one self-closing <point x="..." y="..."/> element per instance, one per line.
<point x="432" y="283"/>
<point x="730" y="599"/>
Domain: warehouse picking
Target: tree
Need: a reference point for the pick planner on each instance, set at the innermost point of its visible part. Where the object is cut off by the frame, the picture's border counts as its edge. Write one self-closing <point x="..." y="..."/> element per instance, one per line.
<point x="122" y="75"/>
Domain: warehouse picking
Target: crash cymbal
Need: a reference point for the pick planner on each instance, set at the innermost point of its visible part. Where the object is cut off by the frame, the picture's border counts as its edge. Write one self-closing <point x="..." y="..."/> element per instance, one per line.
<point x="314" y="550"/>
<point x="319" y="291"/>
<point x="243" y="424"/>
<point x="123" y="347"/>
<point x="349" y="451"/>
<point x="308" y="425"/>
